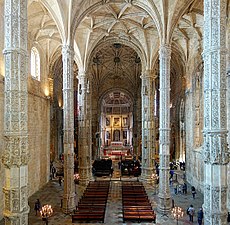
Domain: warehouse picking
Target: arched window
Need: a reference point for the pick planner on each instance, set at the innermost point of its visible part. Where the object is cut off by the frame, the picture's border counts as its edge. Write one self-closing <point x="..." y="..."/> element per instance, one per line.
<point x="35" y="64"/>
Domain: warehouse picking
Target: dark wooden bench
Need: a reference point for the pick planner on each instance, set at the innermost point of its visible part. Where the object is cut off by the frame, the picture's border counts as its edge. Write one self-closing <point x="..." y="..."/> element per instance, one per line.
<point x="92" y="205"/>
<point x="139" y="216"/>
<point x="87" y="217"/>
<point x="136" y="206"/>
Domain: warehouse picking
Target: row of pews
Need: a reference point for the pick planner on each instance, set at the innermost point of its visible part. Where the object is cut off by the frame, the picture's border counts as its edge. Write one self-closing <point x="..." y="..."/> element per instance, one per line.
<point x="92" y="205"/>
<point x="136" y="206"/>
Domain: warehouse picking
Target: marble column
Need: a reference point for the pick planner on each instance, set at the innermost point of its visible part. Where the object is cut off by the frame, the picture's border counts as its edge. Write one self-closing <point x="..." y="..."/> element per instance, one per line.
<point x="216" y="156"/>
<point x="148" y="126"/>
<point x="84" y="125"/>
<point x="164" y="204"/>
<point x="68" y="129"/>
<point x="16" y="153"/>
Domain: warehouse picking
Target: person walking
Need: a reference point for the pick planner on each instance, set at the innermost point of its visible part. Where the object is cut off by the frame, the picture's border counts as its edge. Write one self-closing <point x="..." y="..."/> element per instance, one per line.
<point x="53" y="171"/>
<point x="193" y="192"/>
<point x="184" y="188"/>
<point x="191" y="212"/>
<point x="200" y="216"/>
<point x="37" y="206"/>
<point x="173" y="204"/>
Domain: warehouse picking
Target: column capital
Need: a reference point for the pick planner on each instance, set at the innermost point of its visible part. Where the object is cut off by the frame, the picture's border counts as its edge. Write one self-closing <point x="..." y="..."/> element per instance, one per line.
<point x="81" y="74"/>
<point x="148" y="73"/>
<point x="165" y="50"/>
<point x="67" y="49"/>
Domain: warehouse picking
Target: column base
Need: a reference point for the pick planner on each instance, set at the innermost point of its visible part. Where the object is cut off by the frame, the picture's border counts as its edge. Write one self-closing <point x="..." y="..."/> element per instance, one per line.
<point x="146" y="176"/>
<point x="19" y="218"/>
<point x="85" y="176"/>
<point x="147" y="180"/>
<point x="164" y="205"/>
<point x="68" y="203"/>
<point x="84" y="181"/>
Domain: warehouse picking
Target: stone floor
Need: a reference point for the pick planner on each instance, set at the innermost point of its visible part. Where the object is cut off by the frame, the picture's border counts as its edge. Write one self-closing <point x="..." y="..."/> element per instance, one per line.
<point x="52" y="192"/>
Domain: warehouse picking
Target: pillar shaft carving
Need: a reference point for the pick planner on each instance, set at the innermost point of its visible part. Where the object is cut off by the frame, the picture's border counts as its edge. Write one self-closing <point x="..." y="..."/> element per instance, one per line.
<point x="228" y="109"/>
<point x="148" y="125"/>
<point x="216" y="155"/>
<point x="164" y="190"/>
<point x="85" y="133"/>
<point x="68" y="129"/>
<point x="15" y="156"/>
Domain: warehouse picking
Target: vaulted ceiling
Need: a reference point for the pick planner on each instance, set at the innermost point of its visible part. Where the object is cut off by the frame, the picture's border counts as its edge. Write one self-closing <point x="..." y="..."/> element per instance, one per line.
<point x="98" y="27"/>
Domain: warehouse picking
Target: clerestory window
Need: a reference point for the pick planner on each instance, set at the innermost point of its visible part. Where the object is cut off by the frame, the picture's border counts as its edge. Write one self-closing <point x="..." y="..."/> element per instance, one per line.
<point x="35" y="64"/>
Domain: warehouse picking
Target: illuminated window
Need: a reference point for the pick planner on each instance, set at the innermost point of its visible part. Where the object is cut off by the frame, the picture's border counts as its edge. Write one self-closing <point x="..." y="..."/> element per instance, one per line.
<point x="35" y="64"/>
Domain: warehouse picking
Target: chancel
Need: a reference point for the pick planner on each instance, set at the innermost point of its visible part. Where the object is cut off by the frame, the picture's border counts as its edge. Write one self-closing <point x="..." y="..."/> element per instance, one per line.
<point x="111" y="109"/>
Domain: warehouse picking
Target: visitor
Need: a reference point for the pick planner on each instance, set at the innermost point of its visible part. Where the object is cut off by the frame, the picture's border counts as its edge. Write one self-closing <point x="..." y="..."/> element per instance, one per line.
<point x="191" y="212"/>
<point x="175" y="190"/>
<point x="228" y="218"/>
<point x="173" y="204"/>
<point x="200" y="216"/>
<point x="37" y="206"/>
<point x="171" y="174"/>
<point x="184" y="188"/>
<point x="53" y="171"/>
<point x="193" y="192"/>
<point x="60" y="180"/>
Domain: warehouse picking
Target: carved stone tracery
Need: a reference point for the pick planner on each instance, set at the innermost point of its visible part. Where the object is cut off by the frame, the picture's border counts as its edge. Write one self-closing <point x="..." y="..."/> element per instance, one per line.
<point x="215" y="126"/>
<point x="164" y="191"/>
<point x="68" y="128"/>
<point x="148" y="126"/>
<point x="16" y="155"/>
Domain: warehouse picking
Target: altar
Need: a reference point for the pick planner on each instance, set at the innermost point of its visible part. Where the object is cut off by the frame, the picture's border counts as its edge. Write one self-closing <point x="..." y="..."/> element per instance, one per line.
<point x="116" y="149"/>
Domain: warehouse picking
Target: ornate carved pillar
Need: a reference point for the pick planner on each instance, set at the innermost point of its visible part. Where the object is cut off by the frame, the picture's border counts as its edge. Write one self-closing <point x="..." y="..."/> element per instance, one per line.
<point x="216" y="156"/>
<point x="68" y="129"/>
<point x="15" y="156"/>
<point x="148" y="125"/>
<point x="103" y="130"/>
<point x="134" y="140"/>
<point x="228" y="110"/>
<point x="164" y="191"/>
<point x="85" y="134"/>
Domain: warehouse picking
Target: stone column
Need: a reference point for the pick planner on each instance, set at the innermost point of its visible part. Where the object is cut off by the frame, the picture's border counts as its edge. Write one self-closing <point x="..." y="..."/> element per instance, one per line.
<point x="228" y="113"/>
<point x="216" y="156"/>
<point x="148" y="125"/>
<point x="68" y="129"/>
<point x="85" y="137"/>
<point x="164" y="190"/>
<point x="15" y="155"/>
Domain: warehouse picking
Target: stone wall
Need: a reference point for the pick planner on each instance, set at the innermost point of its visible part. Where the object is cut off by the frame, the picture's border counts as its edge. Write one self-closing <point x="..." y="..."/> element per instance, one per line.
<point x="39" y="139"/>
<point x="194" y="122"/>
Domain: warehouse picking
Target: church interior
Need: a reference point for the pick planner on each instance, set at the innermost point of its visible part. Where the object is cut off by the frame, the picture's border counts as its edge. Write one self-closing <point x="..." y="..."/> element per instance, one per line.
<point x="119" y="97"/>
